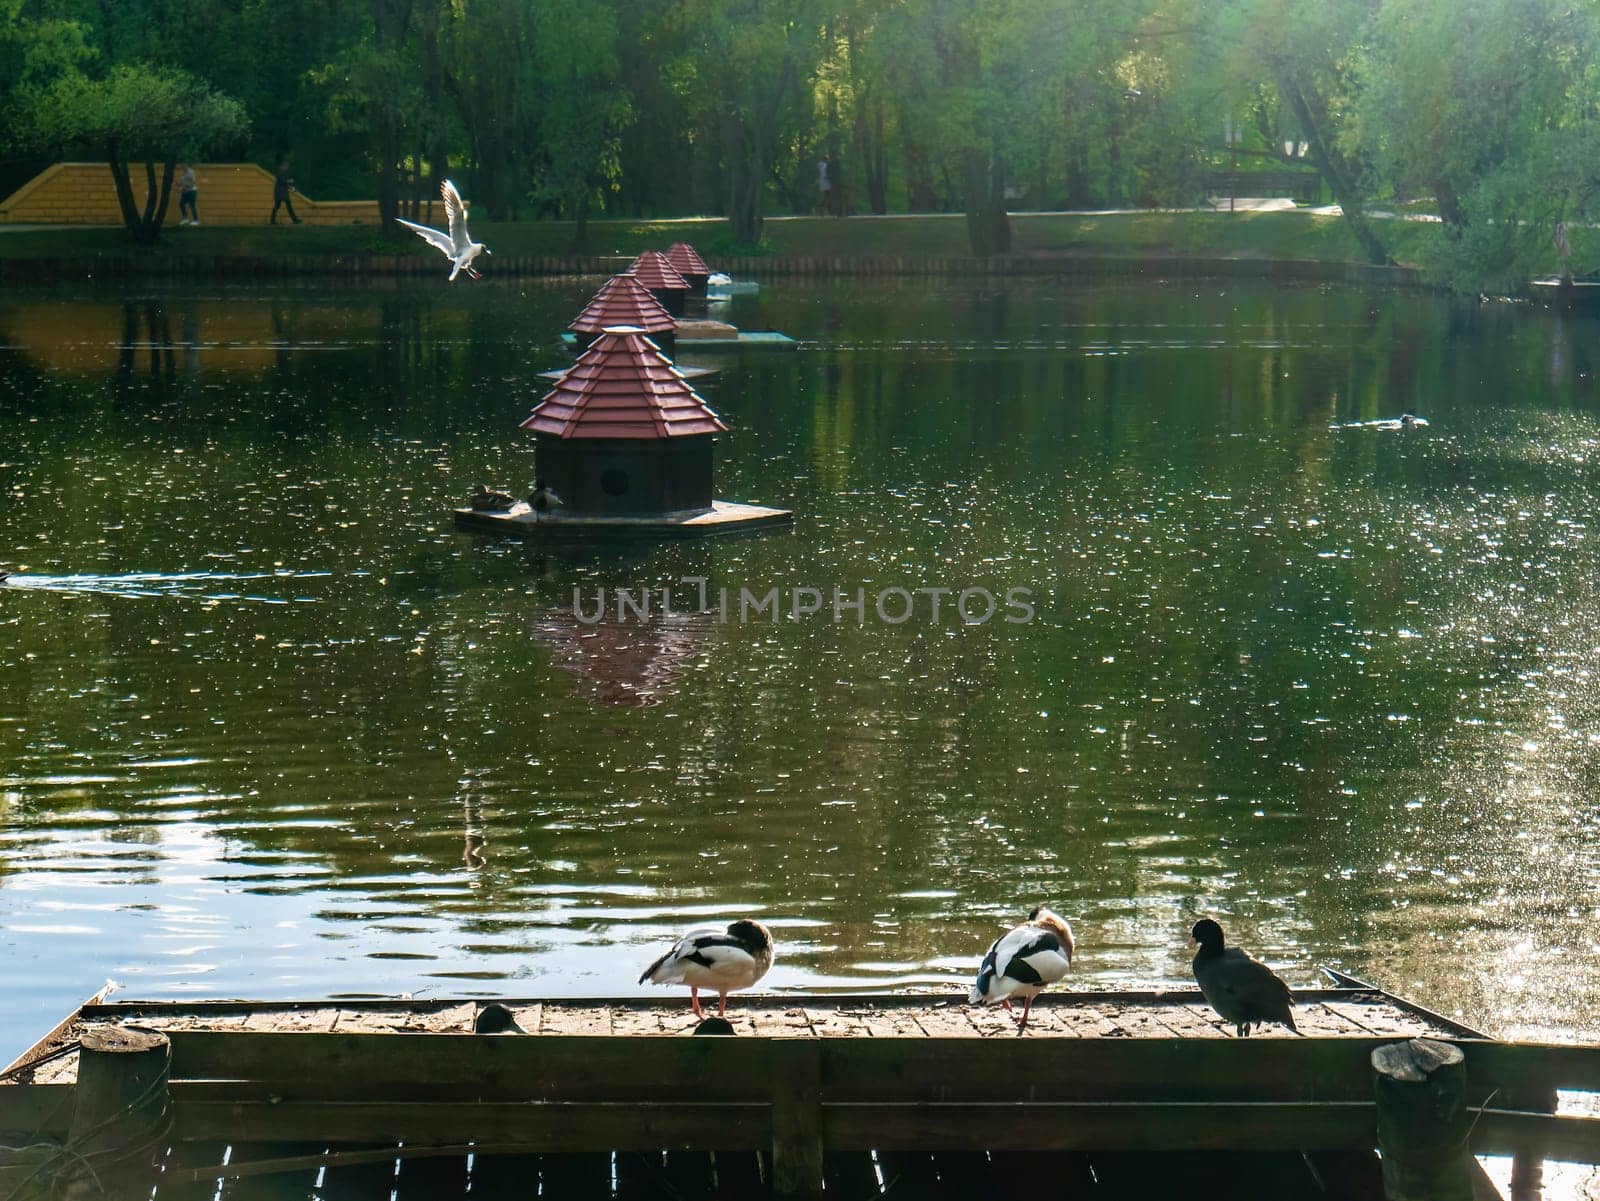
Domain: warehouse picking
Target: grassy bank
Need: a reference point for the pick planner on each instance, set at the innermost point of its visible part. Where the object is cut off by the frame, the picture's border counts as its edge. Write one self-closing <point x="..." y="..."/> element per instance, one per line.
<point x="1274" y="235"/>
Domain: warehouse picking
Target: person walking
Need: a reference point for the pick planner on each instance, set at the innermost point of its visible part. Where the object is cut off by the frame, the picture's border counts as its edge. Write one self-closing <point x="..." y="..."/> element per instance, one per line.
<point x="282" y="184"/>
<point x="825" y="186"/>
<point x="188" y="194"/>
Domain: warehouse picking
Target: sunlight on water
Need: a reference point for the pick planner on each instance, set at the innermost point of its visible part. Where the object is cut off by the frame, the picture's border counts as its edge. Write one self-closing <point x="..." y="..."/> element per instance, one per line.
<point x="269" y="727"/>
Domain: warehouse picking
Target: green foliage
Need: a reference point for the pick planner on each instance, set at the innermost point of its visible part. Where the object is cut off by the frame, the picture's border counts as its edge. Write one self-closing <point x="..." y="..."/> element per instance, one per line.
<point x="1480" y="111"/>
<point x="146" y="114"/>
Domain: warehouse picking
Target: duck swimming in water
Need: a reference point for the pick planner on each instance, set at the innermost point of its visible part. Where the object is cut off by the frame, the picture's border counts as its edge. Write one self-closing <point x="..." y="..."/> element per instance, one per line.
<point x="718" y="960"/>
<point x="1242" y="990"/>
<point x="1023" y="962"/>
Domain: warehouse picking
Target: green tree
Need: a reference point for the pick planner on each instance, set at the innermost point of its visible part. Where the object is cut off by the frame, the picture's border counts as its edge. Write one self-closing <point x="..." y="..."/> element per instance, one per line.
<point x="138" y="114"/>
<point x="1310" y="54"/>
<point x="1486" y="105"/>
<point x="751" y="62"/>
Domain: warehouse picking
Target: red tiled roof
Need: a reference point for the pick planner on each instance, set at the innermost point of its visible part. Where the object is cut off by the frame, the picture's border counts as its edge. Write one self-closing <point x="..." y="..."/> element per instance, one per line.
<point x="683" y="258"/>
<point x="623" y="301"/>
<point x="654" y="271"/>
<point x="622" y="387"/>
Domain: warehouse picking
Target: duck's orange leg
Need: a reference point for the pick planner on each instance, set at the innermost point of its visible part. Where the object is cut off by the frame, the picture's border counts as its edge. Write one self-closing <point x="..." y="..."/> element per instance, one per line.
<point x="694" y="1002"/>
<point x="1023" y="1024"/>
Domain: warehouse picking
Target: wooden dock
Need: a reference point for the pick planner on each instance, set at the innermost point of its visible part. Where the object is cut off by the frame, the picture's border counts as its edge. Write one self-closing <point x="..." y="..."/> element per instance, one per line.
<point x="1109" y="1094"/>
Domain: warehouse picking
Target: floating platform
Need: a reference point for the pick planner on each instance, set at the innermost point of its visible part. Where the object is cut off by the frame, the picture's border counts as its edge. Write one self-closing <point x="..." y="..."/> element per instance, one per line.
<point x="522" y="521"/>
<point x="714" y="335"/>
<point x="1115" y="1095"/>
<point x="1581" y="293"/>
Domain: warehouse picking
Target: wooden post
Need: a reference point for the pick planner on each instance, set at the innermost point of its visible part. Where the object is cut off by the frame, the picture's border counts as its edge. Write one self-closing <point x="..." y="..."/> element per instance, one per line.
<point x="1421" y="1087"/>
<point x="1527" y="1167"/>
<point x="121" y="1113"/>
<point x="796" y="1120"/>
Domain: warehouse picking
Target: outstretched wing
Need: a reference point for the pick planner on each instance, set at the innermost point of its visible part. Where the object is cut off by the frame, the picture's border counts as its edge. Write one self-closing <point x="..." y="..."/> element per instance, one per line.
<point x="457" y="212"/>
<point x="432" y="237"/>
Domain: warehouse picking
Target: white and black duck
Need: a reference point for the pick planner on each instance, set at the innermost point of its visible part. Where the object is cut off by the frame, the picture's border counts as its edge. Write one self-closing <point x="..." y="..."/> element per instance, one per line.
<point x="1243" y="991"/>
<point x="717" y="959"/>
<point x="1024" y="962"/>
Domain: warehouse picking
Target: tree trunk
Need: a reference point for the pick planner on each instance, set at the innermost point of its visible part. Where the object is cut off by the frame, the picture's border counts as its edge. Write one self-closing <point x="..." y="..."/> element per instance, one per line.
<point x="745" y="180"/>
<point x="124" y="186"/>
<point x="875" y="164"/>
<point x="388" y="175"/>
<point x="988" y="226"/>
<point x="920" y="194"/>
<point x="1450" y="211"/>
<point x="580" y="220"/>
<point x="1331" y="164"/>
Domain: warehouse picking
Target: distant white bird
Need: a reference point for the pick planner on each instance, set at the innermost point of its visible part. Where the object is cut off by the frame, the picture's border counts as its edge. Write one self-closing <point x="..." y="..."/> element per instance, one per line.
<point x="719" y="960"/>
<point x="1023" y="962"/>
<point x="457" y="245"/>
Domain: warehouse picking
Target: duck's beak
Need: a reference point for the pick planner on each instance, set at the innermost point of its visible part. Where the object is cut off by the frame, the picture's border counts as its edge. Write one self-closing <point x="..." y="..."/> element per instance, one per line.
<point x="1190" y="943"/>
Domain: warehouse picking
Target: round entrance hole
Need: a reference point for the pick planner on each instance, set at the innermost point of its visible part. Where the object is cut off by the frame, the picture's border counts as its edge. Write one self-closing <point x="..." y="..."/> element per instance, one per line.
<point x="614" y="481"/>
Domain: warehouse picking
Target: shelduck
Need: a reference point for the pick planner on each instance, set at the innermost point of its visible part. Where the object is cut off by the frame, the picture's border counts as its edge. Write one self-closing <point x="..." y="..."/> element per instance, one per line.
<point x="716" y="959"/>
<point x="1023" y="962"/>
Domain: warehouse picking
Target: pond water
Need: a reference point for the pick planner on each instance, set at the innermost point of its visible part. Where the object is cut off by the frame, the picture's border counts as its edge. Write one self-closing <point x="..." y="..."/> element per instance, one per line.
<point x="269" y="727"/>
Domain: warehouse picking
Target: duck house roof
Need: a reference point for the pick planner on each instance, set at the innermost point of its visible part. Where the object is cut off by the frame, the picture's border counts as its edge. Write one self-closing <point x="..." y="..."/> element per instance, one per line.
<point x="623" y="300"/>
<point x="623" y="387"/>
<point x="685" y="261"/>
<point x="653" y="271"/>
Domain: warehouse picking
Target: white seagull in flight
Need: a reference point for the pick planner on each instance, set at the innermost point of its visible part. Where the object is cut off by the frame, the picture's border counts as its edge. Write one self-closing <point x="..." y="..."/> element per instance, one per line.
<point x="457" y="245"/>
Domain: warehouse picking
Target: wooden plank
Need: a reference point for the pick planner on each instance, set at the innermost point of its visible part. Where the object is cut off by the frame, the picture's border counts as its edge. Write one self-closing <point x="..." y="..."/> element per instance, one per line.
<point x="547" y="1067"/>
<point x="1171" y="1069"/>
<point x="797" y="1122"/>
<point x="531" y="1127"/>
<point x="39" y="1109"/>
<point x="1532" y="1066"/>
<point x="1206" y="1126"/>
<point x="1550" y="1136"/>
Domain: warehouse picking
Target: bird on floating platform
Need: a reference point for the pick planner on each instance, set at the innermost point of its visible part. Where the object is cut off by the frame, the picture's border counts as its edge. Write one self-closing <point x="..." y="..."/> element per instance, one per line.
<point x="495" y="1018"/>
<point x="1023" y="962"/>
<point x="457" y="245"/>
<point x="488" y="500"/>
<point x="1242" y="990"/>
<point x="717" y="959"/>
<point x="543" y="499"/>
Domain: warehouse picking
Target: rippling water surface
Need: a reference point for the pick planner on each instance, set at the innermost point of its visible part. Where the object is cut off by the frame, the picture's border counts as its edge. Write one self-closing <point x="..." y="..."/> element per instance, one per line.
<point x="269" y="727"/>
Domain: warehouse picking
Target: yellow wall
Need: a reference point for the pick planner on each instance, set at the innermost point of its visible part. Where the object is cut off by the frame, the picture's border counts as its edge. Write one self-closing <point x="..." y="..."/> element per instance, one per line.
<point x="230" y="194"/>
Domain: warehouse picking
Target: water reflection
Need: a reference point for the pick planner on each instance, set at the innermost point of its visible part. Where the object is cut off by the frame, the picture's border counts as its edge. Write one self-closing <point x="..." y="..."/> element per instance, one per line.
<point x="269" y="726"/>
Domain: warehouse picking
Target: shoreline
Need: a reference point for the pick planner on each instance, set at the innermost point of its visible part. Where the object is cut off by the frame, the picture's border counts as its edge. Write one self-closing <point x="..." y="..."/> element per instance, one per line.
<point x="361" y="267"/>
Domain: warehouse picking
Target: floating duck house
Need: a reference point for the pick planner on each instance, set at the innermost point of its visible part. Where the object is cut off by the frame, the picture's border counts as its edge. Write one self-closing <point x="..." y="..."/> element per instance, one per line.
<point x="625" y="301"/>
<point x="690" y="265"/>
<point x="626" y="445"/>
<point x="662" y="279"/>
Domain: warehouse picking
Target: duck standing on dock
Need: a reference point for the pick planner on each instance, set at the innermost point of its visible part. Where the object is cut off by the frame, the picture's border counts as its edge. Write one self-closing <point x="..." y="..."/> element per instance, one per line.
<point x="717" y="960"/>
<point x="1023" y="962"/>
<point x="1242" y="990"/>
